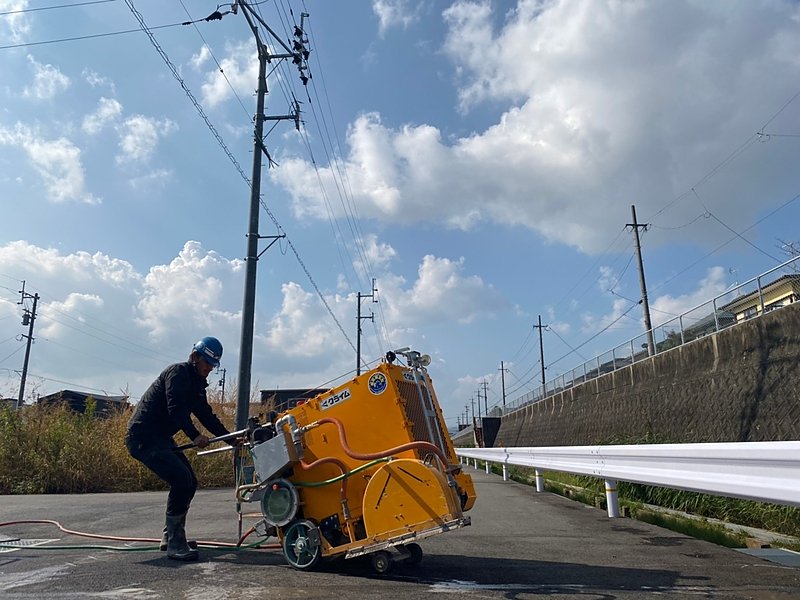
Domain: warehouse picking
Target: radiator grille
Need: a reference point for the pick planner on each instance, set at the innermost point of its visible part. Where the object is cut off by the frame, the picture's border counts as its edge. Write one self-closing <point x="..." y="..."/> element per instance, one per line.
<point x="425" y="425"/>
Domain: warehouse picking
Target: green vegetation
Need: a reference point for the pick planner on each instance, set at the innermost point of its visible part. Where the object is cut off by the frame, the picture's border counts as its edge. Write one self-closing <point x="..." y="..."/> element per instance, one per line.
<point x="633" y="498"/>
<point x="53" y="450"/>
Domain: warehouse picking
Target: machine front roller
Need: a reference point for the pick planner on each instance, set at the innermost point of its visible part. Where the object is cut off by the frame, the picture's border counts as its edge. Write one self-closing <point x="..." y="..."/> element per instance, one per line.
<point x="301" y="545"/>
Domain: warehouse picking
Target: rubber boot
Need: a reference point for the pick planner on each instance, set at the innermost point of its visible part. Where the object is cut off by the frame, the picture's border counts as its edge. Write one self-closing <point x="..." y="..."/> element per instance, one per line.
<point x="177" y="547"/>
<point x="165" y="538"/>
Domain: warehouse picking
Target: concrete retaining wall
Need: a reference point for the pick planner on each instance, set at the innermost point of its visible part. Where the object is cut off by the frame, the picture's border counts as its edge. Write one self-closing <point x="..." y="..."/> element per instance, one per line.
<point x="741" y="384"/>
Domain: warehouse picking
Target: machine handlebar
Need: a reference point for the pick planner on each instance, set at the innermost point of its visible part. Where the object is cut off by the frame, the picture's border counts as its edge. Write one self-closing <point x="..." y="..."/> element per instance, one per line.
<point x="219" y="438"/>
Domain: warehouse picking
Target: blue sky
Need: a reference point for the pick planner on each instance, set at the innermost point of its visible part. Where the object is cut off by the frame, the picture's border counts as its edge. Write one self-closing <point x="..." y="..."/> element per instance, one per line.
<point x="478" y="159"/>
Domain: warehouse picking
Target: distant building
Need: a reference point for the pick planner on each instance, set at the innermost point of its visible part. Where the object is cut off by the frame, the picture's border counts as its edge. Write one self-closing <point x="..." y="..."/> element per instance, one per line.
<point x="783" y="291"/>
<point x="282" y="400"/>
<point x="104" y="405"/>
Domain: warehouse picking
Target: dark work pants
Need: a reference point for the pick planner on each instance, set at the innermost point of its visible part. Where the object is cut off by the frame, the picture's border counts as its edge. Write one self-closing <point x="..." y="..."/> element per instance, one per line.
<point x="169" y="464"/>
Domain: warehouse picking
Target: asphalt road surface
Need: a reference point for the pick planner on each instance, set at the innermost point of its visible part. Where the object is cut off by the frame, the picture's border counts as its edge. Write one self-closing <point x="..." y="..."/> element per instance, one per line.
<point x="521" y="545"/>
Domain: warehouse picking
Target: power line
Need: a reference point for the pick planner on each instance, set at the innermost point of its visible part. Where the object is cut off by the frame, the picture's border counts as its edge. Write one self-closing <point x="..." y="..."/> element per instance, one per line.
<point x="232" y="158"/>
<point x="76" y="385"/>
<point x="149" y="31"/>
<point x="558" y="335"/>
<point x="27" y="10"/>
<point x="780" y="110"/>
<point x="606" y="328"/>
<point x="211" y="52"/>
<point x="12" y="354"/>
<point x="87" y="37"/>
<point x="718" y="248"/>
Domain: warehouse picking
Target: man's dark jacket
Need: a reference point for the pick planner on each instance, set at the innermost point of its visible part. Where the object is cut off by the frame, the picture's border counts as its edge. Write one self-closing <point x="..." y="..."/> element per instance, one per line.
<point x="167" y="405"/>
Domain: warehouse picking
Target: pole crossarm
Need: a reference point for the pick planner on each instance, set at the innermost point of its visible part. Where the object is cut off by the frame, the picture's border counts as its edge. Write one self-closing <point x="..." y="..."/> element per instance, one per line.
<point x="274" y="239"/>
<point x="360" y="318"/>
<point x="760" y="471"/>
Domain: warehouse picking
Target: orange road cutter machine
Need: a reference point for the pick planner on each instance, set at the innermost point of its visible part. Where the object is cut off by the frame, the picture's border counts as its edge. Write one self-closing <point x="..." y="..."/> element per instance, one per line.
<point x="361" y="469"/>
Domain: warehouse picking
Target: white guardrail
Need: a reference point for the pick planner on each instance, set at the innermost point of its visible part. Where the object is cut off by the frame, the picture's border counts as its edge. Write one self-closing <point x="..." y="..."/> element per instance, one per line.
<point x="761" y="471"/>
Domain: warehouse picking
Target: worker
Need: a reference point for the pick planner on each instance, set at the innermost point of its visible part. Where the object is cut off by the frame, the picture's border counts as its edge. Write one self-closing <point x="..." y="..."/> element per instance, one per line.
<point x="166" y="408"/>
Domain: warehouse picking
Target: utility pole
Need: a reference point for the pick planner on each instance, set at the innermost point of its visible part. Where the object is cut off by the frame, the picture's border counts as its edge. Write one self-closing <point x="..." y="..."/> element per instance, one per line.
<point x="28" y="318"/>
<point x="222" y="383"/>
<point x="359" y="318"/>
<point x="651" y="346"/>
<point x="251" y="260"/>
<point x="503" y="382"/>
<point x="485" y="398"/>
<point x="472" y="400"/>
<point x="541" y="352"/>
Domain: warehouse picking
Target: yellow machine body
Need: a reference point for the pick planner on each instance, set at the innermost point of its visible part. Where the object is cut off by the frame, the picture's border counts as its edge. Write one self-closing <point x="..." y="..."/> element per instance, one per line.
<point x="372" y="467"/>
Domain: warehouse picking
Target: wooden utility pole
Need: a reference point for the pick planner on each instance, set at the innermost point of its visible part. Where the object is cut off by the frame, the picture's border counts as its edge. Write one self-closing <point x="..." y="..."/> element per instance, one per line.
<point x="651" y="346"/>
<point x="541" y="352"/>
<point x="28" y="319"/>
<point x="503" y="382"/>
<point x="251" y="259"/>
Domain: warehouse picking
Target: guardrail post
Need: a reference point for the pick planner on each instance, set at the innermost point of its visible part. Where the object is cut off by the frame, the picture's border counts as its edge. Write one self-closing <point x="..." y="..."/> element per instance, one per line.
<point x="539" y="480"/>
<point x="612" y="500"/>
<point x="487" y="467"/>
<point x="505" y="472"/>
<point x="475" y="466"/>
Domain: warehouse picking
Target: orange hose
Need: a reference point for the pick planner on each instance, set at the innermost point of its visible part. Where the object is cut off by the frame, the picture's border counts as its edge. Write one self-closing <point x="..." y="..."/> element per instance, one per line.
<point x="391" y="451"/>
<point x="117" y="538"/>
<point x="342" y="489"/>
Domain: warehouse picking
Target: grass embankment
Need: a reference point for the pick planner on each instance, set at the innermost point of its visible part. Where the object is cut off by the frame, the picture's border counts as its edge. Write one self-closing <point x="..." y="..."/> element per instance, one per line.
<point x="52" y="450"/>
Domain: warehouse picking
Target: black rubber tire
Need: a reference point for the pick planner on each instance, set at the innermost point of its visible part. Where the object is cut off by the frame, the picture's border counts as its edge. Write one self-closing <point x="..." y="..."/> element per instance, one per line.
<point x="301" y="547"/>
<point x="414" y="553"/>
<point x="381" y="562"/>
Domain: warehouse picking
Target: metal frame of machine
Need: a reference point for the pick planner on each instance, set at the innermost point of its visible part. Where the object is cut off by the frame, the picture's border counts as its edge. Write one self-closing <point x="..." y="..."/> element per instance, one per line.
<point x="360" y="469"/>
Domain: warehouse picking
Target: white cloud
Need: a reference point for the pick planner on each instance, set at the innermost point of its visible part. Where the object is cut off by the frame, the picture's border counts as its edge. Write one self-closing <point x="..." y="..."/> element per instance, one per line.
<point x="15" y="24"/>
<point x="154" y="180"/>
<point x="378" y="255"/>
<point x="241" y="70"/>
<point x="394" y="13"/>
<point x="441" y="293"/>
<point x="73" y="307"/>
<point x="663" y="309"/>
<point x="666" y="307"/>
<point x="610" y="103"/>
<point x="67" y="270"/>
<point x="201" y="58"/>
<point x="104" y="325"/>
<point x="47" y="81"/>
<point x="139" y="136"/>
<point x="302" y="327"/>
<point x="186" y="296"/>
<point x="57" y="161"/>
<point x="107" y="111"/>
<point x="96" y="80"/>
<point x="620" y="309"/>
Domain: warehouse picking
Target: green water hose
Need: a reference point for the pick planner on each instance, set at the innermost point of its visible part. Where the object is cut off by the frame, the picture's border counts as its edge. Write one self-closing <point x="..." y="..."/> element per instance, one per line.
<point x="342" y="476"/>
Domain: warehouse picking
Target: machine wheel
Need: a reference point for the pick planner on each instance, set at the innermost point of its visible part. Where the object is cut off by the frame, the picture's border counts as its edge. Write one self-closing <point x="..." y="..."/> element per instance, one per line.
<point x="414" y="553"/>
<point x="301" y="545"/>
<point x="381" y="562"/>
